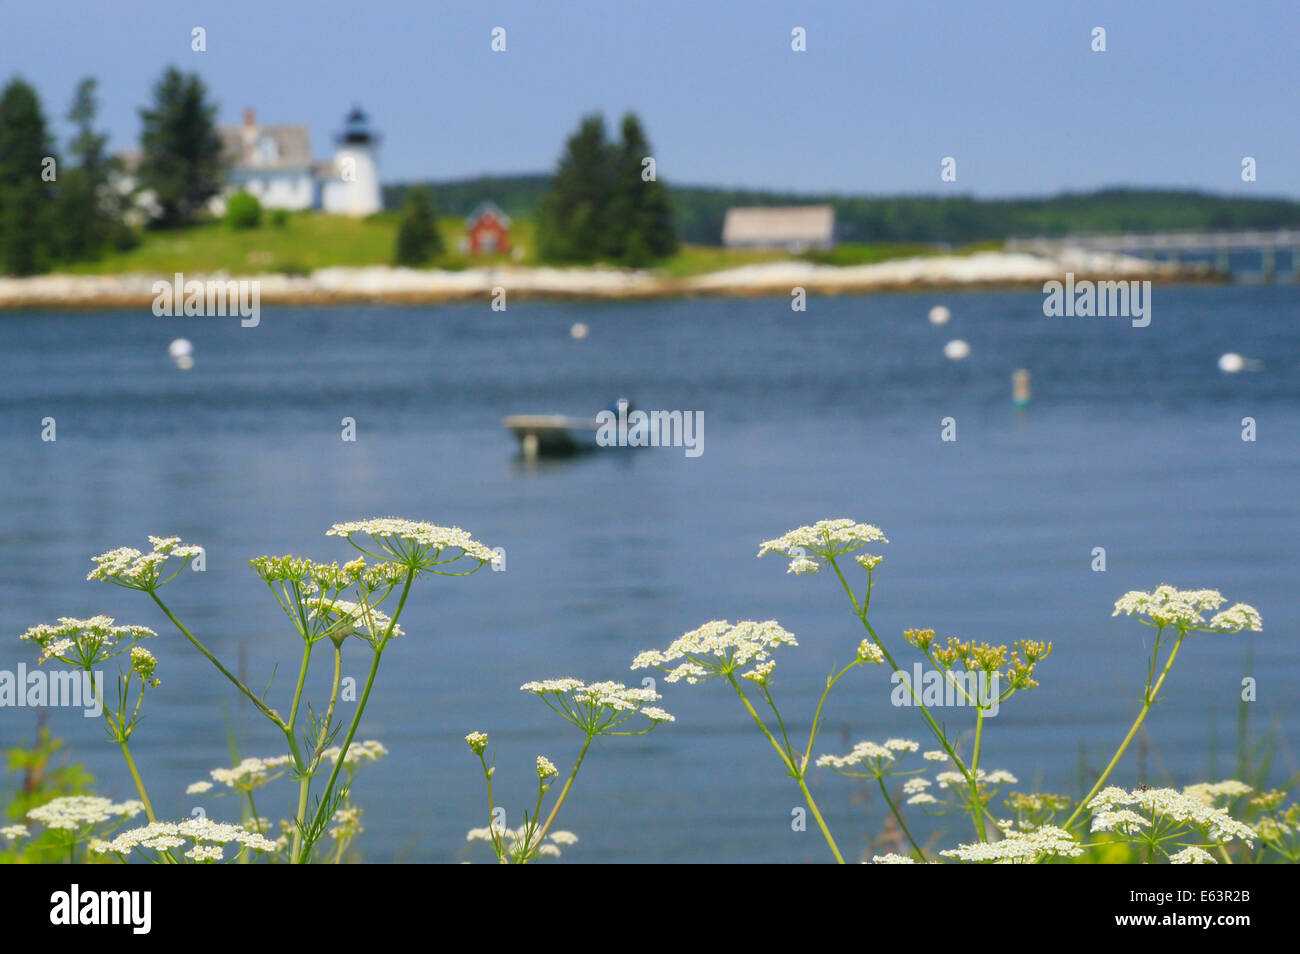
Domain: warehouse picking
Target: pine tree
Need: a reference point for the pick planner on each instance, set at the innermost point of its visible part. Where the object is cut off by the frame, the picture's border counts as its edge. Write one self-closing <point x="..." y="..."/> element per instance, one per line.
<point x="182" y="163"/>
<point x="574" y="217"/>
<point x="418" y="236"/>
<point x="89" y="212"/>
<point x="27" y="182"/>
<point x="641" y="227"/>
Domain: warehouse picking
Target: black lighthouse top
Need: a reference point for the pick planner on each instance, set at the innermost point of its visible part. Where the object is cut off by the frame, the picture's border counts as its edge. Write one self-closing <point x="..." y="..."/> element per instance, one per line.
<point x="356" y="129"/>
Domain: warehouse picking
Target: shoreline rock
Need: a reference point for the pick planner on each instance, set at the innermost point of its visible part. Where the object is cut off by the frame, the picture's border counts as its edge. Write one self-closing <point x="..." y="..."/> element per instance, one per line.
<point x="383" y="284"/>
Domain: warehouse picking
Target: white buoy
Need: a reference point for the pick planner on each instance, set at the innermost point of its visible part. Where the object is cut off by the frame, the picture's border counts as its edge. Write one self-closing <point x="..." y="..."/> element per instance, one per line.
<point x="579" y="331"/>
<point x="956" y="350"/>
<point x="1232" y="362"/>
<point x="182" y="353"/>
<point x="939" y="315"/>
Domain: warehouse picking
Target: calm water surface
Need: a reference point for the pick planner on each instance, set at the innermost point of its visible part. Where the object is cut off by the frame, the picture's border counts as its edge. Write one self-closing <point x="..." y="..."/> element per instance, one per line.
<point x="1132" y="443"/>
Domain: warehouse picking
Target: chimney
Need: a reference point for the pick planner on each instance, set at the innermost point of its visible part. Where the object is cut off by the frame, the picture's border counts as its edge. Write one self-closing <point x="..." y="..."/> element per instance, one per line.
<point x="250" y="119"/>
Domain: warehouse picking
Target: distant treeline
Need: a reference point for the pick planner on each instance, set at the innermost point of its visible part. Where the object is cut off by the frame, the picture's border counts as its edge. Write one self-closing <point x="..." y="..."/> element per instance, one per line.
<point x="960" y="220"/>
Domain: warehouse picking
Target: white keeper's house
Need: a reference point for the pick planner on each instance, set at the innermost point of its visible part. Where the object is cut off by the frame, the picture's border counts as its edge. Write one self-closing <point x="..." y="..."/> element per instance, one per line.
<point x="275" y="164"/>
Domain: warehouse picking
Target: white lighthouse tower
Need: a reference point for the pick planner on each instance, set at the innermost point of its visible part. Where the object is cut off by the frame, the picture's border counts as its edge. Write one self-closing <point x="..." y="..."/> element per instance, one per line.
<point x="354" y="188"/>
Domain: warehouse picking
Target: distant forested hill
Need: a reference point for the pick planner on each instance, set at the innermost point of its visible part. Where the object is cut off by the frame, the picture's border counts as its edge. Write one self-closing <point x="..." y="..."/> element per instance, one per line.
<point x="957" y="220"/>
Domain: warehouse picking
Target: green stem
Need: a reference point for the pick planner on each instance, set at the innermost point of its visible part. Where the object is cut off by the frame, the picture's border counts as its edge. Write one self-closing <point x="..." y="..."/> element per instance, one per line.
<point x="977" y="810"/>
<point x="795" y="770"/>
<point x="817" y="715"/>
<point x="302" y="679"/>
<point x="898" y="817"/>
<point x="977" y="805"/>
<point x="119" y="734"/>
<point x="139" y="784"/>
<point x="361" y="706"/>
<point x="496" y="839"/>
<point x="564" y="792"/>
<point x="1148" y="702"/>
<point x="329" y="711"/>
<point x="262" y="706"/>
<point x="821" y="822"/>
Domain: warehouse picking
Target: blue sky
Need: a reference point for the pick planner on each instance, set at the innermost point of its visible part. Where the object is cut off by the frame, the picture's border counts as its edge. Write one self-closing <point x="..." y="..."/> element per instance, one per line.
<point x="885" y="90"/>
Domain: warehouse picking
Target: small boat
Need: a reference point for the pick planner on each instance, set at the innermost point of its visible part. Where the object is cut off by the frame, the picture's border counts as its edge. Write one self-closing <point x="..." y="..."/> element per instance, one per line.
<point x="552" y="435"/>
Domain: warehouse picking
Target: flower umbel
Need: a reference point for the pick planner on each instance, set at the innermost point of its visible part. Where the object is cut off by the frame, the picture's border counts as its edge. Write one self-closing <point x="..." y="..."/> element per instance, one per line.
<point x="85" y="643"/>
<point x="128" y="567"/>
<point x="717" y="648"/>
<point x="806" y="547"/>
<point x="599" y="708"/>
<point x="1185" y="610"/>
<point x="416" y="545"/>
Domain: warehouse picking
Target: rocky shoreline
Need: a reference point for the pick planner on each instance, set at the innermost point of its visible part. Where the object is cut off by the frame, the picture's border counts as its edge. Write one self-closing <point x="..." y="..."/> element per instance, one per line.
<point x="413" y="286"/>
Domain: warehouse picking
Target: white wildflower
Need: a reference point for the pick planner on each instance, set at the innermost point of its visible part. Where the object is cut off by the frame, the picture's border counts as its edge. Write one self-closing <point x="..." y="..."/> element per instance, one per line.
<point x="85" y="642"/>
<point x="805" y="546"/>
<point x="413" y="543"/>
<point x="162" y="836"/>
<point x="601" y="705"/>
<point x="78" y="811"/>
<point x="128" y="567"/>
<point x="250" y="773"/>
<point x="1207" y="792"/>
<point x="1192" y="855"/>
<point x="870" y="752"/>
<point x="1175" y="806"/>
<point x="1020" y="847"/>
<point x="715" y="649"/>
<point x="346" y="618"/>
<point x="358" y="753"/>
<point x="1185" y="609"/>
<point x="760" y="673"/>
<point x="870" y="652"/>
<point x="1125" y="821"/>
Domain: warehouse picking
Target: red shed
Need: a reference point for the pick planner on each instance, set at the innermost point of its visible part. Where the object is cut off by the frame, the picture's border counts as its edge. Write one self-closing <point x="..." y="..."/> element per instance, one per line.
<point x="488" y="230"/>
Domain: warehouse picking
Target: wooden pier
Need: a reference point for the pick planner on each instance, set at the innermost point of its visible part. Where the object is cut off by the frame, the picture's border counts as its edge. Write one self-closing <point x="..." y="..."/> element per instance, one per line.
<point x="1172" y="246"/>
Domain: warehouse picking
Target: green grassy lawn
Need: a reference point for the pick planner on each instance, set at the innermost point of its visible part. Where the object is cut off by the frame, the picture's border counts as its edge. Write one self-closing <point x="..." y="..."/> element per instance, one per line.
<point x="306" y="241"/>
<point x="311" y="240"/>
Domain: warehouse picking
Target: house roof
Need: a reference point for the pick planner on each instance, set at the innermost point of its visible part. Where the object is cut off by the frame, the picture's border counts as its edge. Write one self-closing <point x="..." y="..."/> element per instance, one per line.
<point x="778" y="225"/>
<point x="486" y="208"/>
<point x="266" y="147"/>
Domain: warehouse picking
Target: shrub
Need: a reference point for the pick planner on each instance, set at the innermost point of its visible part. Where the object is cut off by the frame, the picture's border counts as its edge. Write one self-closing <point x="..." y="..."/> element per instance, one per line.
<point x="243" y="211"/>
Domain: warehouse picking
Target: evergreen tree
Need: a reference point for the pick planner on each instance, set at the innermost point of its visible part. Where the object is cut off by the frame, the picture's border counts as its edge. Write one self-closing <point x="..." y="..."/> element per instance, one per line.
<point x="641" y="227"/>
<point x="574" y="218"/>
<point x="418" y="236"/>
<point x="181" y="162"/>
<point x="27" y="182"/>
<point x="89" y="212"/>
